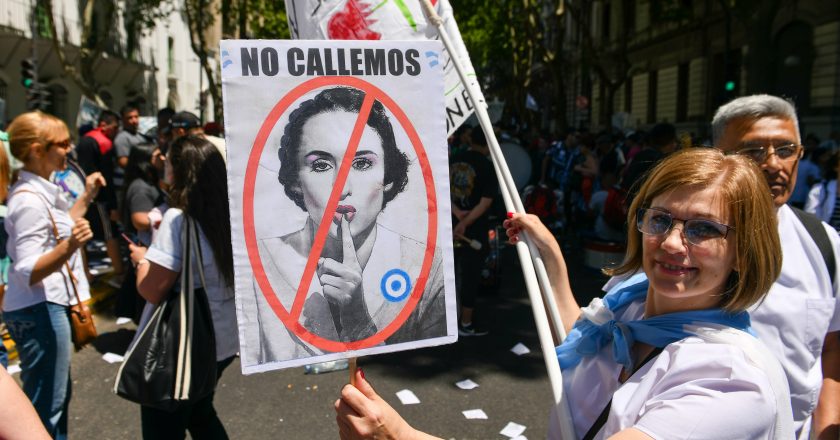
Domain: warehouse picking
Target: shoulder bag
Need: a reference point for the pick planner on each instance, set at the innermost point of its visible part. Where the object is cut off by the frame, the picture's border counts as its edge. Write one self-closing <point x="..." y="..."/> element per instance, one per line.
<point x="81" y="318"/>
<point x="172" y="362"/>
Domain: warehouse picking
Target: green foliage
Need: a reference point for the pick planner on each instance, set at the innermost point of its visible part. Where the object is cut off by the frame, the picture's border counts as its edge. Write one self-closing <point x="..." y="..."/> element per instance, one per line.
<point x="267" y="19"/>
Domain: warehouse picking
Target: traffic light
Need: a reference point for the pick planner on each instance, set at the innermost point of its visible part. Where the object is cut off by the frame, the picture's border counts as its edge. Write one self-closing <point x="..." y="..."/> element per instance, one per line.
<point x="729" y="86"/>
<point x="38" y="97"/>
<point x="27" y="73"/>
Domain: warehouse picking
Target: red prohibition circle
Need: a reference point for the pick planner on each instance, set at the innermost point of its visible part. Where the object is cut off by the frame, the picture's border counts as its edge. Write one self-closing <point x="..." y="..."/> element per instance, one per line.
<point x="289" y="320"/>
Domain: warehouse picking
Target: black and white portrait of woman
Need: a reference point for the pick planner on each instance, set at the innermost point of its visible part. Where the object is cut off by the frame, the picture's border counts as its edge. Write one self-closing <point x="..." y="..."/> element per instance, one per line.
<point x="366" y="269"/>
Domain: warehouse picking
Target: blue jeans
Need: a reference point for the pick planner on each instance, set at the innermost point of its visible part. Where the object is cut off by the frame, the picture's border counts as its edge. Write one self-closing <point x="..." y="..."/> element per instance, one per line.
<point x="42" y="337"/>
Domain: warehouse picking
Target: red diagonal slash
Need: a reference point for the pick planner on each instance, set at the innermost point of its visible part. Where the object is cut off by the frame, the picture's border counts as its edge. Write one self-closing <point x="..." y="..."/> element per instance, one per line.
<point x="332" y="204"/>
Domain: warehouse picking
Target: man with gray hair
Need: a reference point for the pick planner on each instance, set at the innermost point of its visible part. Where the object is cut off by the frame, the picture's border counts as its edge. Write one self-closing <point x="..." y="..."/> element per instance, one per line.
<point x="799" y="320"/>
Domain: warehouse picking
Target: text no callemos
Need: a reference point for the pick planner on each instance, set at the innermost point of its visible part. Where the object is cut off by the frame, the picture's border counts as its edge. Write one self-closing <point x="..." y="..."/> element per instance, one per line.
<point x="331" y="61"/>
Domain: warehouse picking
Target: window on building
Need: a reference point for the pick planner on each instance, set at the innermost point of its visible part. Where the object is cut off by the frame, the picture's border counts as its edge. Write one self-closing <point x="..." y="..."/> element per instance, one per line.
<point x="628" y="94"/>
<point x="682" y="92"/>
<point x="57" y="101"/>
<point x="651" y="107"/>
<point x="606" y="23"/>
<point x="170" y="55"/>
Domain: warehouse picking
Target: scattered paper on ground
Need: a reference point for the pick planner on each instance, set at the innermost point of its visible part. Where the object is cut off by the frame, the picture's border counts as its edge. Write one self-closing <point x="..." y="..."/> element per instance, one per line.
<point x="14" y="368"/>
<point x="466" y="384"/>
<point x="112" y="358"/>
<point x="519" y="349"/>
<point x="513" y="430"/>
<point x="407" y="397"/>
<point x="122" y="320"/>
<point x="475" y="414"/>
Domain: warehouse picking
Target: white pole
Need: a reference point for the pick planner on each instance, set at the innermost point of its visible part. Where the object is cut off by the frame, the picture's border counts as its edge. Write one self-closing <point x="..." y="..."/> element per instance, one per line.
<point x="532" y="264"/>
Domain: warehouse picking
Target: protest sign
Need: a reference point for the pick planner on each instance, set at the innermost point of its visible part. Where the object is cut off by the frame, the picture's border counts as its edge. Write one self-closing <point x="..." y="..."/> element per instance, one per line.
<point x="339" y="199"/>
<point x="89" y="112"/>
<point x="388" y="20"/>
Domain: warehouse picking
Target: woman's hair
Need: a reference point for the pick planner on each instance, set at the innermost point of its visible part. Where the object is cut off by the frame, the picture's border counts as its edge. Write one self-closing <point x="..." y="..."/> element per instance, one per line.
<point x="30" y="128"/>
<point x="199" y="188"/>
<point x="139" y="166"/>
<point x="749" y="205"/>
<point x="332" y="100"/>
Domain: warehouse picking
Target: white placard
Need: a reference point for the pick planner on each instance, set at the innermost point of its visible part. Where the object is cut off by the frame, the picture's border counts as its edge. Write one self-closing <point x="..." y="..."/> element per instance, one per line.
<point x="306" y="293"/>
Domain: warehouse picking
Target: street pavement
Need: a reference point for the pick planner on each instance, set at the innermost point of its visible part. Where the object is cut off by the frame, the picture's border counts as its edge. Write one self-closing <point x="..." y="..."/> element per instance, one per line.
<point x="289" y="404"/>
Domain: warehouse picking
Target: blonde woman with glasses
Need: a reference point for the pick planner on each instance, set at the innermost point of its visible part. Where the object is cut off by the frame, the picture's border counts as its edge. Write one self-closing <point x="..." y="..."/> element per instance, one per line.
<point x="671" y="355"/>
<point x="38" y="295"/>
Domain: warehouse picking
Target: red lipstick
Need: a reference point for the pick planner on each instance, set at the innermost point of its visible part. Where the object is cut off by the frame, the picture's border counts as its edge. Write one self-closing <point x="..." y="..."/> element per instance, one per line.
<point x="346" y="210"/>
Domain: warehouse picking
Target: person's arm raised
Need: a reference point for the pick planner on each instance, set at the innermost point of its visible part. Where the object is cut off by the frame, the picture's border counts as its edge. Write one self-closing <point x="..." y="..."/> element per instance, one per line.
<point x="93" y="183"/>
<point x="362" y="414"/>
<point x="555" y="265"/>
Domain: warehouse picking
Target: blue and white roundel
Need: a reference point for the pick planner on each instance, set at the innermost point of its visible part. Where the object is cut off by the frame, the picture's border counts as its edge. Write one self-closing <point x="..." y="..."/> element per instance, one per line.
<point x="395" y="285"/>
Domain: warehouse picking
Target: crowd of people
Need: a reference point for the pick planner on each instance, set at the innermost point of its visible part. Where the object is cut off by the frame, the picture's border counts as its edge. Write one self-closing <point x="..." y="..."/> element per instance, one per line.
<point x="722" y="319"/>
<point x="114" y="184"/>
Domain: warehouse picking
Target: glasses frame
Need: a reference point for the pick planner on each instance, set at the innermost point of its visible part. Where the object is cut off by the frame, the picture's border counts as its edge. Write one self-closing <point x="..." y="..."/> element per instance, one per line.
<point x="67" y="143"/>
<point x="640" y="214"/>
<point x="766" y="154"/>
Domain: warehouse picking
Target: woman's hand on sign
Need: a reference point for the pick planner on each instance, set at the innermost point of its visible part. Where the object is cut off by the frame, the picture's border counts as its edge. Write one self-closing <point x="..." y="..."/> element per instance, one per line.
<point x="342" y="283"/>
<point x="80" y="234"/>
<point x="362" y="414"/>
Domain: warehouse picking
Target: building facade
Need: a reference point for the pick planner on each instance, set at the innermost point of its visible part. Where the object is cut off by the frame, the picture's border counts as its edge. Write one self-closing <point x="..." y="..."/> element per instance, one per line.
<point x="687" y="57"/>
<point x="151" y="70"/>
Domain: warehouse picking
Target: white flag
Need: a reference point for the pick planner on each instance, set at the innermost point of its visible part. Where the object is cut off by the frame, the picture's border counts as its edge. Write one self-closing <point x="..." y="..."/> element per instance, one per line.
<point x="388" y="20"/>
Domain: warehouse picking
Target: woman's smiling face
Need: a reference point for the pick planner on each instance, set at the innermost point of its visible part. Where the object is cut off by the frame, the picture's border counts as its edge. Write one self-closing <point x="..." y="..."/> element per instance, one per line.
<point x="324" y="140"/>
<point x="685" y="276"/>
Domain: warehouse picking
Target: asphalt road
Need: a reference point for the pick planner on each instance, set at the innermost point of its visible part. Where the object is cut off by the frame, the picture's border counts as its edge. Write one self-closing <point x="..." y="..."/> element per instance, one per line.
<point x="289" y="404"/>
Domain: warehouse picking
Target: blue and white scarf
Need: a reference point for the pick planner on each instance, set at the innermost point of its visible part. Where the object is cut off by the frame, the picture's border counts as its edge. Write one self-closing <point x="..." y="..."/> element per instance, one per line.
<point x="598" y="327"/>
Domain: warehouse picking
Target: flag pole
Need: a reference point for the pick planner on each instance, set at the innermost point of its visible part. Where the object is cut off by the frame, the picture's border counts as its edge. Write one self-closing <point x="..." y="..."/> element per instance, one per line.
<point x="532" y="265"/>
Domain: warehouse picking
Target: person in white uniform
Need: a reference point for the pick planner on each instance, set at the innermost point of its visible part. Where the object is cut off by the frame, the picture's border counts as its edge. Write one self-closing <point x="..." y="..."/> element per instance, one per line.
<point x="671" y="356"/>
<point x="800" y="318"/>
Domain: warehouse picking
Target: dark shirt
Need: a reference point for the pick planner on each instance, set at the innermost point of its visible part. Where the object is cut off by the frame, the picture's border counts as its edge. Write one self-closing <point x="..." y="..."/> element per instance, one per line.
<point x="91" y="159"/>
<point x="471" y="177"/>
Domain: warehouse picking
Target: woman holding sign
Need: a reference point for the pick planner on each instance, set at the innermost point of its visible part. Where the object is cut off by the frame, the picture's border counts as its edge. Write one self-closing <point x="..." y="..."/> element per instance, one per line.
<point x="671" y="356"/>
<point x="365" y="270"/>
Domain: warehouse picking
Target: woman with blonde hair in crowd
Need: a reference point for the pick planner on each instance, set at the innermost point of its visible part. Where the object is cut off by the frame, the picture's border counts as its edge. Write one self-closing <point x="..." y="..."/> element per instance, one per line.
<point x="670" y="356"/>
<point x="39" y="293"/>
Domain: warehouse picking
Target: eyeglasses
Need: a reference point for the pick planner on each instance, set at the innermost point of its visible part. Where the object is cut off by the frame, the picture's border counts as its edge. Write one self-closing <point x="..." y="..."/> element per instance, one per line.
<point x="62" y="144"/>
<point x="654" y="221"/>
<point x="759" y="153"/>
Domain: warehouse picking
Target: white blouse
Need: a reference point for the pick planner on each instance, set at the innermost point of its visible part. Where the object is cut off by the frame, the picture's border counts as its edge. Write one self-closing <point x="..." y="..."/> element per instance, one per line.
<point x="31" y="236"/>
<point x="166" y="251"/>
<point x="697" y="388"/>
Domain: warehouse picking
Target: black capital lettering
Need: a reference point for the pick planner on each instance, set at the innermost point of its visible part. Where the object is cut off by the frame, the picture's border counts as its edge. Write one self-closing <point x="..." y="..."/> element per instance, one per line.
<point x="374" y="61"/>
<point x="413" y="66"/>
<point x="313" y="63"/>
<point x="395" y="62"/>
<point x="356" y="62"/>
<point x="467" y="101"/>
<point x="293" y="58"/>
<point x="451" y="113"/>
<point x="328" y="64"/>
<point x="250" y="61"/>
<point x="342" y="69"/>
<point x="270" y="62"/>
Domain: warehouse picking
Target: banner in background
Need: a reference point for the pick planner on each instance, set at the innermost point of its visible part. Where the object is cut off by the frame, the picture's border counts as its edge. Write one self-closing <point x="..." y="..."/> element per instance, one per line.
<point x="388" y="20"/>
